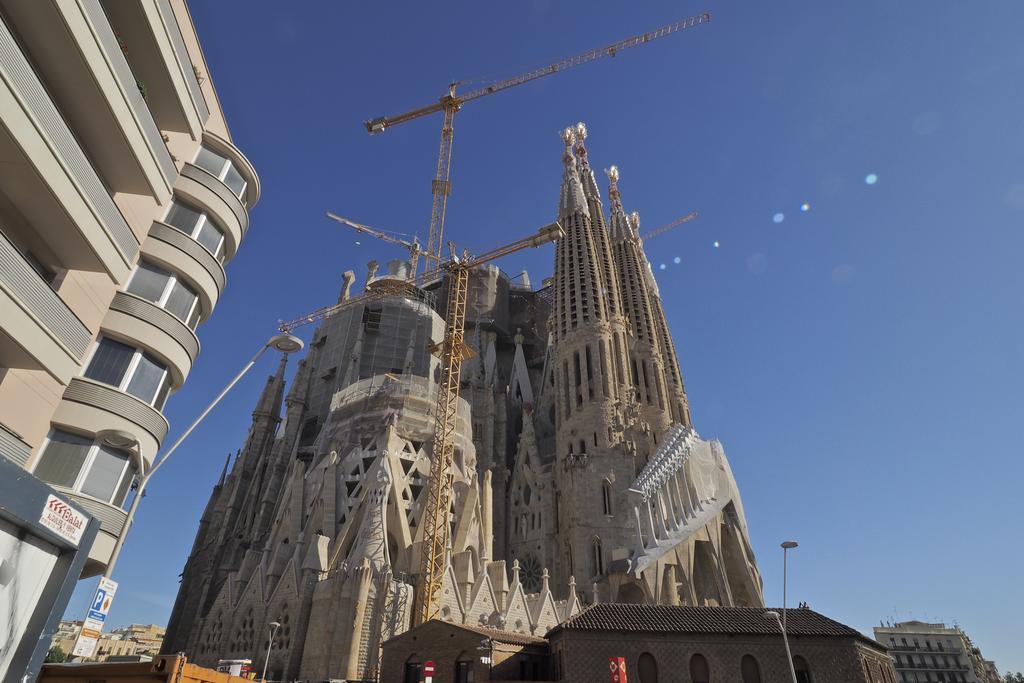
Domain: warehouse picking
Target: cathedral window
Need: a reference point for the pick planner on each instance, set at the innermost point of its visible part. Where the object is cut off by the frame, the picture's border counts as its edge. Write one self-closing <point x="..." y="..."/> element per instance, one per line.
<point x="606" y="498"/>
<point x="590" y="373"/>
<point x="598" y="552"/>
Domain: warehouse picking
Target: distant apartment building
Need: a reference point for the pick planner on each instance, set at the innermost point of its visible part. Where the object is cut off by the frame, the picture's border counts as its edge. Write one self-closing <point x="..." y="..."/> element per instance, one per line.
<point x="135" y="642"/>
<point x="932" y="652"/>
<point x="122" y="198"/>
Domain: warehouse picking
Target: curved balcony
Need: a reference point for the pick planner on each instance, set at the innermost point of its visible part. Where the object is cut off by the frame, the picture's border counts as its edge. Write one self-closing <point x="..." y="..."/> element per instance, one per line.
<point x="111" y="517"/>
<point x="182" y="254"/>
<point x="49" y="178"/>
<point x="43" y="327"/>
<point x="214" y="197"/>
<point x="252" y="180"/>
<point x="143" y="322"/>
<point x="90" y="407"/>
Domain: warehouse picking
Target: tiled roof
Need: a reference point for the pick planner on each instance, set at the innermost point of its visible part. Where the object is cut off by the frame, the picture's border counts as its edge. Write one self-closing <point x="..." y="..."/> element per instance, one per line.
<point x="502" y="636"/>
<point x="705" y="620"/>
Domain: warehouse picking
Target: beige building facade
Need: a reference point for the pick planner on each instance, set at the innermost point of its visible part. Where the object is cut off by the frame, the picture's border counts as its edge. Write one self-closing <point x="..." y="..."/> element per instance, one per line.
<point x="122" y="198"/>
<point x="926" y="652"/>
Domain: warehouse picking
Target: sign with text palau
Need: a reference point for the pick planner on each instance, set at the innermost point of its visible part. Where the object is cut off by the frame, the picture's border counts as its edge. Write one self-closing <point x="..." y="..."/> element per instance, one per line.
<point x="85" y="646"/>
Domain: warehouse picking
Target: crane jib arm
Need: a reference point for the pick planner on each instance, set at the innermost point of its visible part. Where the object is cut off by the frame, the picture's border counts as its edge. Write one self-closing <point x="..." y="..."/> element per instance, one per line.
<point x="378" y="125"/>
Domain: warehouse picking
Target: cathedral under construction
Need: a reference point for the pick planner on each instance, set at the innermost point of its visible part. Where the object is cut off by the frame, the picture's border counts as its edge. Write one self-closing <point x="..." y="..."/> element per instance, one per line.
<point x="578" y="474"/>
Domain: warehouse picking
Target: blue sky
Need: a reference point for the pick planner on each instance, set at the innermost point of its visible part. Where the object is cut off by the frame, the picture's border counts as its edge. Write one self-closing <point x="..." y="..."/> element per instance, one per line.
<point x="860" y="361"/>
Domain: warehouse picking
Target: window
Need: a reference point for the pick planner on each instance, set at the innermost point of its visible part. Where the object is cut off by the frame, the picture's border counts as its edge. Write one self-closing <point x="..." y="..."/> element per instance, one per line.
<point x="220" y="166"/>
<point x="413" y="672"/>
<point x="197" y="225"/>
<point x="803" y="672"/>
<point x="598" y="558"/>
<point x="750" y="670"/>
<point x="131" y="370"/>
<point x="464" y="672"/>
<point x="606" y="498"/>
<point x="700" y="672"/>
<point x="80" y="464"/>
<point x="647" y="668"/>
<point x="165" y="290"/>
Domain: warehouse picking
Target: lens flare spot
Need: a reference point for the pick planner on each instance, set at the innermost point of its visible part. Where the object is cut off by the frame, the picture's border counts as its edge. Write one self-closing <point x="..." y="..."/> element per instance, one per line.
<point x="661" y="266"/>
<point x="716" y="244"/>
<point x="805" y="207"/>
<point x="677" y="260"/>
<point x="870" y="179"/>
<point x="358" y="243"/>
<point x="779" y="217"/>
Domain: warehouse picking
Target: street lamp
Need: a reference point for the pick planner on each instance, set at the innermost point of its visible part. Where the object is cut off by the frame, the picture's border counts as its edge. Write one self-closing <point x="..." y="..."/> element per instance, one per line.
<point x="772" y="614"/>
<point x="115" y="438"/>
<point x="274" y="625"/>
<point x="786" y="547"/>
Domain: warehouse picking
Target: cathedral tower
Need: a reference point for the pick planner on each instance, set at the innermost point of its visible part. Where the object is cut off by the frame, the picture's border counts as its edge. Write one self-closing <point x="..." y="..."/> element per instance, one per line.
<point x="595" y="458"/>
<point x="657" y="381"/>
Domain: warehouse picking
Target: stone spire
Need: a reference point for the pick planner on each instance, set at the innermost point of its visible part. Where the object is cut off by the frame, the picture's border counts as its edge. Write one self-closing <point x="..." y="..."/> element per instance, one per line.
<point x="657" y="380"/>
<point x="586" y="174"/>
<point x="270" y="400"/>
<point x="589" y="359"/>
<point x="571" y="199"/>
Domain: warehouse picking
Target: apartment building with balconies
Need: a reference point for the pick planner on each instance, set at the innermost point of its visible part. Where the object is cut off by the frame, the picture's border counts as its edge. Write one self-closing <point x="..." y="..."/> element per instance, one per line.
<point x="926" y="652"/>
<point x="122" y="198"/>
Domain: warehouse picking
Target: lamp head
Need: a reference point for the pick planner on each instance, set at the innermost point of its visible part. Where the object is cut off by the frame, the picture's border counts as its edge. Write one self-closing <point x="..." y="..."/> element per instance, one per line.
<point x="275" y="624"/>
<point x="771" y="614"/>
<point x="285" y="343"/>
<point x="117" y="438"/>
<point x="789" y="545"/>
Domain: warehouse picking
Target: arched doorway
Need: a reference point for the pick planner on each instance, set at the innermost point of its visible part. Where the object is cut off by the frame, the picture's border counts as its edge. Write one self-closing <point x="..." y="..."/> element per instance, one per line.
<point x="700" y="672"/>
<point x="647" y="668"/>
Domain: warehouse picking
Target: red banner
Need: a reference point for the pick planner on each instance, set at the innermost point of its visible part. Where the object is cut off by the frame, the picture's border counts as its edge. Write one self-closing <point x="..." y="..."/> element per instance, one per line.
<point x="617" y="669"/>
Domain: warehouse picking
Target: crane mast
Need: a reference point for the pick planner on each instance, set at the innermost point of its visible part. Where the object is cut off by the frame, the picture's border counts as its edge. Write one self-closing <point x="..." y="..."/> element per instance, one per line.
<point x="452" y="102"/>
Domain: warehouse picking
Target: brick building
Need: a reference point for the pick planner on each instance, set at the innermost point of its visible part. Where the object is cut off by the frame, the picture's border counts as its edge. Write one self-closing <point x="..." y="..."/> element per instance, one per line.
<point x="463" y="653"/>
<point x="712" y="645"/>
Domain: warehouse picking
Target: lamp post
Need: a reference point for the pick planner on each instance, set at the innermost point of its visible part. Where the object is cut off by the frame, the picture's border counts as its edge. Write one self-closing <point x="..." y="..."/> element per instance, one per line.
<point x="786" y="547"/>
<point x="274" y="625"/>
<point x="771" y="614"/>
<point x="285" y="343"/>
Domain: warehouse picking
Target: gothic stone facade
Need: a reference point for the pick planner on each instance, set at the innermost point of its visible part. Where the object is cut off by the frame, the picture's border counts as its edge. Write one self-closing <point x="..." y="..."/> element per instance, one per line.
<point x="579" y="477"/>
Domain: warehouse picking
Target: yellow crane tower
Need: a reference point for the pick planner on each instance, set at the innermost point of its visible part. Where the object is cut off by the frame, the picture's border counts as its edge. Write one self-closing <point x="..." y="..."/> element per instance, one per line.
<point x="451" y="102"/>
<point x="452" y="350"/>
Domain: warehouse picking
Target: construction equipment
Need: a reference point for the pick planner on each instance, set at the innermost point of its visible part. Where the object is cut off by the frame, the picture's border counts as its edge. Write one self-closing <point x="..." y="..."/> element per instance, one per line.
<point x="451" y="102"/>
<point x="634" y="218"/>
<point x="452" y="350"/>
<point x="163" y="669"/>
<point x="413" y="247"/>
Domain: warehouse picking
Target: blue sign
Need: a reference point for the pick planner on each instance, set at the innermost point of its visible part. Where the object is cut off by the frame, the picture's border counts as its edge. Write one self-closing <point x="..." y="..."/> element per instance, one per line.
<point x="97" y="615"/>
<point x="101" y="595"/>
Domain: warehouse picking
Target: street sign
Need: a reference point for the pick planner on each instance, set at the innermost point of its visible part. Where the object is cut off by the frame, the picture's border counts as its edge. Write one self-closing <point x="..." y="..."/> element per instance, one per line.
<point x="92" y="627"/>
<point x="428" y="671"/>
<point x="617" y="669"/>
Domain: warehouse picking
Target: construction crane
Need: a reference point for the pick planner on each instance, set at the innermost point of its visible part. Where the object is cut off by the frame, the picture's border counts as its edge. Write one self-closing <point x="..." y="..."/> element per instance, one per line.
<point x="413" y="247"/>
<point x="635" y="219"/>
<point x="451" y="102"/>
<point x="452" y="350"/>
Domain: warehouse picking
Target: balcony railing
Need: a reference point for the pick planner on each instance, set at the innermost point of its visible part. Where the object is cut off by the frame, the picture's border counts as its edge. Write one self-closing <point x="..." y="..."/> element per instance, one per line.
<point x="23" y="282"/>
